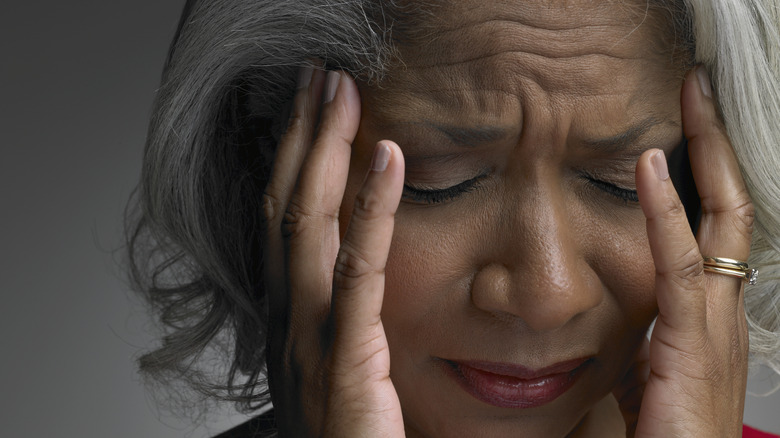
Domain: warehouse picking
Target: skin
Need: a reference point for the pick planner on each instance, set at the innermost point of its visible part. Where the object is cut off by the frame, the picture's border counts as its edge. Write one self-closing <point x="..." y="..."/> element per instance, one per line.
<point x="533" y="266"/>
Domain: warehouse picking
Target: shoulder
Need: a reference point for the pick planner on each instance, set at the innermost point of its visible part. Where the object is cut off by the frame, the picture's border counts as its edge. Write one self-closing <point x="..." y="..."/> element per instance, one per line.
<point x="262" y="426"/>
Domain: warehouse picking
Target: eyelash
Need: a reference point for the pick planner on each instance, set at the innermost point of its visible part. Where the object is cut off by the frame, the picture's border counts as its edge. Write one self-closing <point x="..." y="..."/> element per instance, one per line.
<point x="440" y="195"/>
<point x="624" y="195"/>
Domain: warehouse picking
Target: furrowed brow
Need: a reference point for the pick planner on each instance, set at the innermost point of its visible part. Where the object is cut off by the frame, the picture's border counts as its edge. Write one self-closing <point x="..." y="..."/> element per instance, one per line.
<point x="472" y="137"/>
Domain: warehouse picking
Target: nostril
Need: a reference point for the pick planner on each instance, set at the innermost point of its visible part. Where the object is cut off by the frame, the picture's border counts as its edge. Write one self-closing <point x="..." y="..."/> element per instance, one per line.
<point x="490" y="289"/>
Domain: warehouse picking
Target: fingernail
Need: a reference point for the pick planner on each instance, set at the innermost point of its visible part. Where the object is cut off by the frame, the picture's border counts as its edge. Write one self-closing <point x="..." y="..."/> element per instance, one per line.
<point x="304" y="77"/>
<point x="704" y="80"/>
<point x="659" y="163"/>
<point x="381" y="157"/>
<point x="331" y="85"/>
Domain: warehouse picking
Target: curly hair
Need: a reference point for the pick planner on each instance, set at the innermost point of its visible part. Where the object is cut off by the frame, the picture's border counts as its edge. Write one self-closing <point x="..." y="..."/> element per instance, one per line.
<point x="195" y="223"/>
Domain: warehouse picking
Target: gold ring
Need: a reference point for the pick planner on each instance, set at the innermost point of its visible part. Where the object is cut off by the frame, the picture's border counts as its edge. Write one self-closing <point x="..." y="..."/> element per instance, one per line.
<point x="723" y="262"/>
<point x="731" y="267"/>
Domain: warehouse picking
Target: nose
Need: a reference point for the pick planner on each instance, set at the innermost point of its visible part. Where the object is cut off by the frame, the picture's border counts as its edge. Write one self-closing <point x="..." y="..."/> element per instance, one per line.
<point x="538" y="272"/>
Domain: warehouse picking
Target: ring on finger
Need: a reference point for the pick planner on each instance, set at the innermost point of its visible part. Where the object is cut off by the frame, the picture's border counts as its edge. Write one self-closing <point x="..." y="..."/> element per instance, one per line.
<point x="731" y="267"/>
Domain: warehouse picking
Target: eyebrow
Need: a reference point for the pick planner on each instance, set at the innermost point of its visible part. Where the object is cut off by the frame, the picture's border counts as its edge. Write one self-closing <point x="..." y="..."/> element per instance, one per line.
<point x="471" y="137"/>
<point x="626" y="138"/>
<point x="474" y="137"/>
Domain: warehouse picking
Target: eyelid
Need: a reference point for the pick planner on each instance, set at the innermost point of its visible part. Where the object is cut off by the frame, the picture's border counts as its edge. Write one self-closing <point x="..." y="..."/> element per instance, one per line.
<point x="617" y="191"/>
<point x="436" y="180"/>
<point x="426" y="161"/>
<point x="423" y="188"/>
<point x="430" y="195"/>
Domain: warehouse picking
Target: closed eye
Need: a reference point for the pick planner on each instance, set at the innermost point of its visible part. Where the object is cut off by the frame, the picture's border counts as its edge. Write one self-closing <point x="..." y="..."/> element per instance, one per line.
<point x="425" y="195"/>
<point x="621" y="193"/>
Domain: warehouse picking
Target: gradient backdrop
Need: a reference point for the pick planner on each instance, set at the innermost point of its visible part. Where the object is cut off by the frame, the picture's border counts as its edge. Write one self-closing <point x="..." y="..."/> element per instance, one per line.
<point x="76" y="84"/>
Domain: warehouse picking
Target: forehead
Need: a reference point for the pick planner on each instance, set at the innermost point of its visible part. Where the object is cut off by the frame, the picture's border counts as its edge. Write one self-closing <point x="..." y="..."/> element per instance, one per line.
<point x="495" y="60"/>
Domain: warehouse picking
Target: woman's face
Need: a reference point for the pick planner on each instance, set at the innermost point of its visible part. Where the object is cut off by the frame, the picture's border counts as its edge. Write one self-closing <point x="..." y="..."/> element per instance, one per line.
<point x="519" y="244"/>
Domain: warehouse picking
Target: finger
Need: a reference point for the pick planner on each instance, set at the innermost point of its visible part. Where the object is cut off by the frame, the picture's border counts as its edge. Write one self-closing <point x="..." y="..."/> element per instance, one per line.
<point x="726" y="225"/>
<point x="727" y="220"/>
<point x="362" y="400"/>
<point x="631" y="389"/>
<point x="290" y="153"/>
<point x="678" y="263"/>
<point x="359" y="275"/>
<point x="310" y="222"/>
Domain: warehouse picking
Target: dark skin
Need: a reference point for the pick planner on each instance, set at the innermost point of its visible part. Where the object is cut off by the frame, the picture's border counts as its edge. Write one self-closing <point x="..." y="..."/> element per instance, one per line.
<point x="555" y="115"/>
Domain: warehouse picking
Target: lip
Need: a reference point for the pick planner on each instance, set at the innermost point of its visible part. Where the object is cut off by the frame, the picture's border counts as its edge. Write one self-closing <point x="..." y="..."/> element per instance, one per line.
<point x="514" y="386"/>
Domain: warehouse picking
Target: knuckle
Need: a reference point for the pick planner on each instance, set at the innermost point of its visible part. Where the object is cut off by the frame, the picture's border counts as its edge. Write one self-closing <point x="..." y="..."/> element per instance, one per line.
<point x="737" y="215"/>
<point x="300" y="215"/>
<point x="333" y="126"/>
<point x="272" y="206"/>
<point x="369" y="205"/>
<point x="672" y="207"/>
<point x="294" y="219"/>
<point x="352" y="267"/>
<point x="688" y="270"/>
<point x="745" y="213"/>
<point x="344" y="138"/>
<point x="296" y="123"/>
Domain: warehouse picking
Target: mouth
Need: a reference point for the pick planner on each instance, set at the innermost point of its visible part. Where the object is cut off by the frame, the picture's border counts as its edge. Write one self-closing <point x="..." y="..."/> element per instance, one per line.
<point x="514" y="386"/>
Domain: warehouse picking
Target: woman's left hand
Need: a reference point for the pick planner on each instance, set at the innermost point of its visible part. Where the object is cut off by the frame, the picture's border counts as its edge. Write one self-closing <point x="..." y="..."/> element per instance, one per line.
<point x="699" y="347"/>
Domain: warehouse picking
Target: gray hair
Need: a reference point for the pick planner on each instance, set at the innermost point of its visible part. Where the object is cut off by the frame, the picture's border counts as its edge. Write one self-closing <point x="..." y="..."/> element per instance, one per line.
<point x="739" y="42"/>
<point x="195" y="224"/>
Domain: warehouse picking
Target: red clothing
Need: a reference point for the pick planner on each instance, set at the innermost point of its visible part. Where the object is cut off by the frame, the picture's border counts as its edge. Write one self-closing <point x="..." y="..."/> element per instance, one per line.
<point x="265" y="422"/>
<point x="749" y="432"/>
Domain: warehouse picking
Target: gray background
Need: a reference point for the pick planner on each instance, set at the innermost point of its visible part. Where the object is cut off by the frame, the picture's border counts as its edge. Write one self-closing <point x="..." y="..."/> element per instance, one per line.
<point x="76" y="85"/>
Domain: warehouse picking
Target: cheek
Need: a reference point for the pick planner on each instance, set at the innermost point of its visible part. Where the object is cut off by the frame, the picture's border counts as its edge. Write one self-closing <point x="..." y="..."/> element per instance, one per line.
<point x="427" y="275"/>
<point x="622" y="259"/>
<point x="430" y="259"/>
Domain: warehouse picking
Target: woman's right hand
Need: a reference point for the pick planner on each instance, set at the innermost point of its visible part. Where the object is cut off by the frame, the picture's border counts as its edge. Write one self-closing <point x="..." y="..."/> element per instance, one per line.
<point x="328" y="359"/>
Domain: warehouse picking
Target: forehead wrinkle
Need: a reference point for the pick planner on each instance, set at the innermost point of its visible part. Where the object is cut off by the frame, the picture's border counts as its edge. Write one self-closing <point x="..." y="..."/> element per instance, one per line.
<point x="490" y="55"/>
<point x="546" y="14"/>
<point x="521" y="74"/>
<point x="538" y="26"/>
<point x="447" y="105"/>
<point x="498" y="93"/>
<point x="497" y="84"/>
<point x="510" y="79"/>
<point x="559" y="65"/>
<point x="498" y="21"/>
<point x="498" y="38"/>
<point x="509" y="75"/>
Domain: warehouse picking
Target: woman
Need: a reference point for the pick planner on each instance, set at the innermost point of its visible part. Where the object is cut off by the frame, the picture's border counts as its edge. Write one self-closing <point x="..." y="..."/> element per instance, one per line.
<point x="499" y="262"/>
